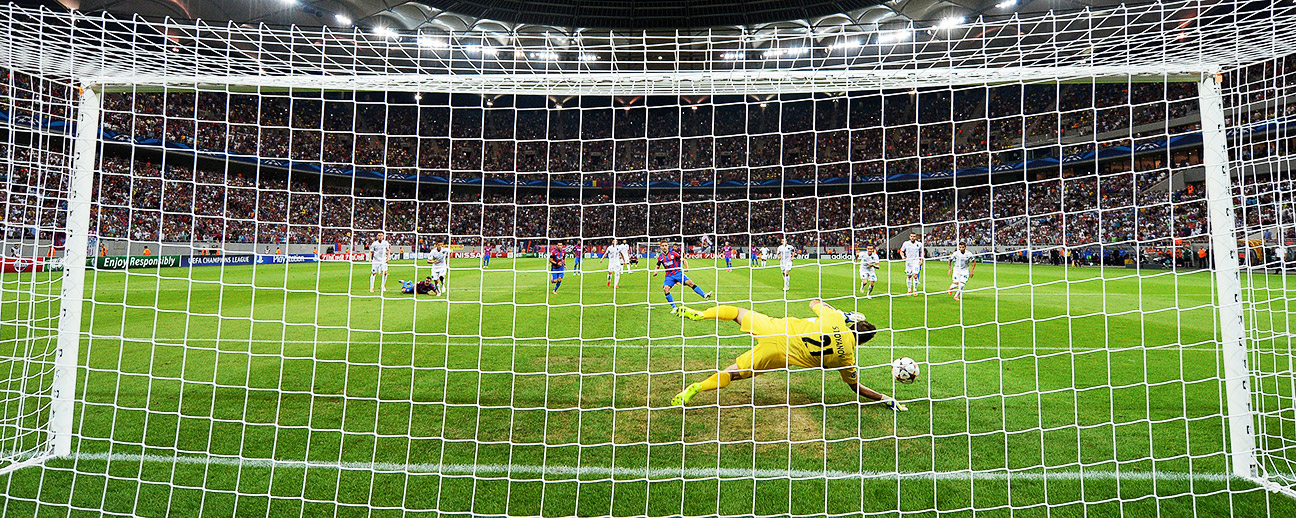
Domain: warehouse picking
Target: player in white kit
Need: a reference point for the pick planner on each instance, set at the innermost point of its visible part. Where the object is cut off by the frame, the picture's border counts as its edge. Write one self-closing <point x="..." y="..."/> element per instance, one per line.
<point x="764" y="255"/>
<point x="439" y="258"/>
<point x="616" y="259"/>
<point x="912" y="253"/>
<point x="785" y="254"/>
<point x="379" y="254"/>
<point x="962" y="264"/>
<point x="868" y="265"/>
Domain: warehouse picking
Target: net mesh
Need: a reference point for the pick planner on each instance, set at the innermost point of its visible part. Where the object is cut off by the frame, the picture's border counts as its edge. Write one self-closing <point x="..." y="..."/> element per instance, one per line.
<point x="239" y="354"/>
<point x="36" y="113"/>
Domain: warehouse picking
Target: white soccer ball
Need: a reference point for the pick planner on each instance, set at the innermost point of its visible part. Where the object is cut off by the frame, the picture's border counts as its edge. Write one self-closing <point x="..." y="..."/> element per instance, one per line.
<point x="905" y="370"/>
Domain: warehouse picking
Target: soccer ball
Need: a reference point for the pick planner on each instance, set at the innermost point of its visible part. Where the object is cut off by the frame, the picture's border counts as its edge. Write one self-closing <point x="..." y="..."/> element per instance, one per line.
<point x="905" y="370"/>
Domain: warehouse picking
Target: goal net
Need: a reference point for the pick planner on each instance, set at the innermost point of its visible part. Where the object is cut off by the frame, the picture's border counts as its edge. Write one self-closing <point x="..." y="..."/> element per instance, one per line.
<point x="216" y="330"/>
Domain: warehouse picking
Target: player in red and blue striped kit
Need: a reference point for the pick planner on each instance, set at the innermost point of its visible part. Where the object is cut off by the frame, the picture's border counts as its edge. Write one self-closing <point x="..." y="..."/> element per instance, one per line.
<point x="728" y="255"/>
<point x="672" y="260"/>
<point x="557" y="263"/>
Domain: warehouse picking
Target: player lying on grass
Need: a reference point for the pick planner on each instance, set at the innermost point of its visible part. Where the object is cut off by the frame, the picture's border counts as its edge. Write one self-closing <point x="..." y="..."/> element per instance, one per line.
<point x="422" y="287"/>
<point x="828" y="342"/>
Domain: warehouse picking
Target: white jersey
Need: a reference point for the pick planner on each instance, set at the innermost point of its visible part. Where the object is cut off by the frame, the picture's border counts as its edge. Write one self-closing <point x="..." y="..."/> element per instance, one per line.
<point x="912" y="251"/>
<point x="784" y="253"/>
<point x="624" y="250"/>
<point x="962" y="261"/>
<point x="764" y="252"/>
<point x="866" y="262"/>
<point x="381" y="251"/>
<point x="439" y="259"/>
<point x="615" y="256"/>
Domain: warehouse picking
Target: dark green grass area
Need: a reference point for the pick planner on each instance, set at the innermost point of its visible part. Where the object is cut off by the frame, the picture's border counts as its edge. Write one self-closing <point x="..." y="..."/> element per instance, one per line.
<point x="506" y="399"/>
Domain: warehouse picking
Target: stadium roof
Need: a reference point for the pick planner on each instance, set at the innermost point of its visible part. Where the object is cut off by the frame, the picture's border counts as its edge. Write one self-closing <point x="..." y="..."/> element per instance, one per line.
<point x="570" y="16"/>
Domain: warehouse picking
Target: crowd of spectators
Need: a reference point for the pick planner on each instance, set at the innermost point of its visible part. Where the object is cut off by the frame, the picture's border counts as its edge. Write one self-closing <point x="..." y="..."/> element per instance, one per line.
<point x="1123" y="202"/>
<point x="617" y="141"/>
<point x="747" y="139"/>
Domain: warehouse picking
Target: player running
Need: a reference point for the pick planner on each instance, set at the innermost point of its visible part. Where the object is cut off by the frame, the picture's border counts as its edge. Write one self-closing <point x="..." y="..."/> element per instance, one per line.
<point x="616" y="259"/>
<point x="728" y="256"/>
<point x="439" y="258"/>
<point x="961" y="266"/>
<point x="557" y="263"/>
<point x="827" y="342"/>
<point x="379" y="253"/>
<point x="868" y="265"/>
<point x="672" y="259"/>
<point x="912" y="253"/>
<point x="785" y="253"/>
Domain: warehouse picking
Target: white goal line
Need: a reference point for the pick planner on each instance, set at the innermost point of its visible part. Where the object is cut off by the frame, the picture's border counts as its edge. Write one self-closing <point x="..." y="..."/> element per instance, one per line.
<point x="651" y="473"/>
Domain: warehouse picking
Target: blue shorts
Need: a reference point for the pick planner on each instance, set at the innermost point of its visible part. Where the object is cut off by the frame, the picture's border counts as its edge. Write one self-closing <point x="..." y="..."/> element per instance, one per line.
<point x="728" y="261"/>
<point x="556" y="275"/>
<point x="674" y="278"/>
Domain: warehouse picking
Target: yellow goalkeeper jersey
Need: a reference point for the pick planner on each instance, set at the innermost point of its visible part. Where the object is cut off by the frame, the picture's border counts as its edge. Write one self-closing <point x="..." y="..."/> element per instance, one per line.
<point x="825" y="342"/>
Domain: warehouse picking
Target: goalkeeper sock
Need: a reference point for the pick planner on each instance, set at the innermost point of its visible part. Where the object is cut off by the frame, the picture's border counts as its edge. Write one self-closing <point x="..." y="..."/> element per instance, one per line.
<point x="670" y="299"/>
<point x="720" y="313"/>
<point x="717" y="381"/>
<point x="699" y="291"/>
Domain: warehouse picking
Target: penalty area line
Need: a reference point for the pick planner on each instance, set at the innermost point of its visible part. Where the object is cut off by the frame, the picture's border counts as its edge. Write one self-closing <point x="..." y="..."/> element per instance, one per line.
<point x="508" y="470"/>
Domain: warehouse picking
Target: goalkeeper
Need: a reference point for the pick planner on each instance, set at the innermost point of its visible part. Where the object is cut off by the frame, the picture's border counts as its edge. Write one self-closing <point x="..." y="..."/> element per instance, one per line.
<point x="827" y="342"/>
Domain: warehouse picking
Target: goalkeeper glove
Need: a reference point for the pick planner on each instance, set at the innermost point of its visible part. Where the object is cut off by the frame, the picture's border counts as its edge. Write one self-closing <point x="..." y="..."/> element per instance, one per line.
<point x="894" y="405"/>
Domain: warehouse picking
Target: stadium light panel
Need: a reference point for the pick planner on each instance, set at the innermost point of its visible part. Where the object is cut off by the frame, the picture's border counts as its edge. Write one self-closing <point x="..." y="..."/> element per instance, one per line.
<point x="733" y="56"/>
<point x="385" y="32"/>
<point x="895" y="36"/>
<point x="845" y="44"/>
<point x="485" y="50"/>
<point x="1005" y="4"/>
<point x="433" y="43"/>
<point x="950" y="22"/>
<point x="789" y="52"/>
<point x="545" y="55"/>
<point x="586" y="56"/>
<point x="343" y="19"/>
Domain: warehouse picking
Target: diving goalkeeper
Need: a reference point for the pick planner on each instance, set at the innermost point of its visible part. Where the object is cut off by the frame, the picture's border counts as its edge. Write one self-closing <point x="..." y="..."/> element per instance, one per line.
<point x="827" y="342"/>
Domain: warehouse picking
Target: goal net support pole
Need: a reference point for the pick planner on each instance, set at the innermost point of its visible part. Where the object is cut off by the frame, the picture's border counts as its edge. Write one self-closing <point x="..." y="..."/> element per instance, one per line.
<point x="1228" y="284"/>
<point x="74" y="268"/>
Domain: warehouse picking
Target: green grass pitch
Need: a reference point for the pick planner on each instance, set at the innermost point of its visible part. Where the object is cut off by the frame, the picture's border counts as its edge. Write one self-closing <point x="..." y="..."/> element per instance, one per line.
<point x="508" y="400"/>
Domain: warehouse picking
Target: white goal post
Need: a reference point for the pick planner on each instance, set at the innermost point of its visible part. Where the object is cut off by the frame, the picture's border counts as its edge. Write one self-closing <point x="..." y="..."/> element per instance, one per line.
<point x="263" y="383"/>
